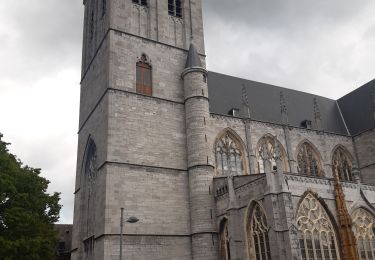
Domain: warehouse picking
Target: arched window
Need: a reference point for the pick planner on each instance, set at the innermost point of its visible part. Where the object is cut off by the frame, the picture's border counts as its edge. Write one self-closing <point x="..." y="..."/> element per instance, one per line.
<point x="308" y="160"/>
<point x="144" y="76"/>
<point x="257" y="235"/>
<point x="364" y="231"/>
<point x="269" y="142"/>
<point x="90" y="164"/>
<point x="224" y="241"/>
<point x="342" y="164"/>
<point x="229" y="156"/>
<point x="175" y="8"/>
<point x="317" y="237"/>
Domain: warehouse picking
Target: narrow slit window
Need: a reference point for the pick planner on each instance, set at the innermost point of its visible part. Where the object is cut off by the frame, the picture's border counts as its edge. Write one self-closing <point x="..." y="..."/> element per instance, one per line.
<point x="144" y="77"/>
<point x="175" y="8"/>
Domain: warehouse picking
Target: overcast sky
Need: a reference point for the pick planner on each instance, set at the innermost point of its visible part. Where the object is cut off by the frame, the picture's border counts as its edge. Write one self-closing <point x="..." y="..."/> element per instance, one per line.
<point x="326" y="47"/>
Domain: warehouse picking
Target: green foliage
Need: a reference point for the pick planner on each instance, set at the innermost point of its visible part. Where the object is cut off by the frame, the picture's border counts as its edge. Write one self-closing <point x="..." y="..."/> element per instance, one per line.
<point x="27" y="211"/>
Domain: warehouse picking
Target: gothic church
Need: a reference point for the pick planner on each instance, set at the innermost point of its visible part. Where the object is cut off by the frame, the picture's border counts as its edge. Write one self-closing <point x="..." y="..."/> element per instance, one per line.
<point x="213" y="166"/>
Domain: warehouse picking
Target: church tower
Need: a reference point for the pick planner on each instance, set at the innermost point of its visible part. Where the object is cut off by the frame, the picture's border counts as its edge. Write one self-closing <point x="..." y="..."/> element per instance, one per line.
<point x="142" y="143"/>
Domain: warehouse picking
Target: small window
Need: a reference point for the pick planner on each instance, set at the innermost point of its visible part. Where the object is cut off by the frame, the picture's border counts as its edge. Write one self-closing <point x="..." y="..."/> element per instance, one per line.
<point x="175" y="8"/>
<point x="144" y="77"/>
<point x="104" y="7"/>
<point x="140" y="2"/>
<point x="234" y="112"/>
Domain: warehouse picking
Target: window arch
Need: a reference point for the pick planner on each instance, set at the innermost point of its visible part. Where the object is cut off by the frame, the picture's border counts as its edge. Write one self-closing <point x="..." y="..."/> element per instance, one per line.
<point x="268" y="141"/>
<point x="144" y="76"/>
<point x="364" y="231"/>
<point x="342" y="164"/>
<point x="229" y="156"/>
<point x="224" y="241"/>
<point x="257" y="234"/>
<point x="316" y="234"/>
<point x="308" y="160"/>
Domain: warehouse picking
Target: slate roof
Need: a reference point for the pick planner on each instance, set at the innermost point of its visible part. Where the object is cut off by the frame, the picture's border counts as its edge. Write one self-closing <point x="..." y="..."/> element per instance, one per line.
<point x="193" y="59"/>
<point x="225" y="93"/>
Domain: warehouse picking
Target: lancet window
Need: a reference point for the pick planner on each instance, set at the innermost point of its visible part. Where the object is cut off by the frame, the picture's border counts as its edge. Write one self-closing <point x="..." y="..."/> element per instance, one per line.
<point x="317" y="237"/>
<point x="342" y="164"/>
<point x="308" y="161"/>
<point x="364" y="231"/>
<point x="224" y="241"/>
<point x="257" y="235"/>
<point x="229" y="156"/>
<point x="90" y="164"/>
<point x="175" y="8"/>
<point x="268" y="142"/>
<point x="144" y="76"/>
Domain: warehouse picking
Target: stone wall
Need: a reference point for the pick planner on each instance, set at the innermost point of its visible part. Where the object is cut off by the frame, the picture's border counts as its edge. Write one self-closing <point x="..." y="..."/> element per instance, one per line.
<point x="365" y="145"/>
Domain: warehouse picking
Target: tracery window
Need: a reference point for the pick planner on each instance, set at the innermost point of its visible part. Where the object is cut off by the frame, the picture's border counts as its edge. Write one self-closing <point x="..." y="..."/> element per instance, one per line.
<point x="224" y="241"/>
<point x="140" y="2"/>
<point x="317" y="237"/>
<point x="229" y="157"/>
<point x="308" y="161"/>
<point x="90" y="165"/>
<point x="144" y="76"/>
<point x="175" y="8"/>
<point x="364" y="231"/>
<point x="342" y="164"/>
<point x="257" y="235"/>
<point x="269" y="143"/>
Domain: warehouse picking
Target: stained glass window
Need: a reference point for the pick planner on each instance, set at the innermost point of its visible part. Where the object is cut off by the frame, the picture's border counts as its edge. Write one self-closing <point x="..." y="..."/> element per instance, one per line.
<point x="257" y="235"/>
<point x="308" y="161"/>
<point x="364" y="231"/>
<point x="269" y="143"/>
<point x="342" y="165"/>
<point x="317" y="237"/>
<point x="229" y="157"/>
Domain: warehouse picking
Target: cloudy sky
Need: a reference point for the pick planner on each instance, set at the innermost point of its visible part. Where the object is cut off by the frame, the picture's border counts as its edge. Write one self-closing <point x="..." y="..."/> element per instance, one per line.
<point x="318" y="46"/>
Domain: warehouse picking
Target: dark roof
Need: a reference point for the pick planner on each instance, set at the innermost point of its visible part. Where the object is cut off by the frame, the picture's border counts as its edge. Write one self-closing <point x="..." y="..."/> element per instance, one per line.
<point x="357" y="108"/>
<point x="225" y="93"/>
<point x="193" y="59"/>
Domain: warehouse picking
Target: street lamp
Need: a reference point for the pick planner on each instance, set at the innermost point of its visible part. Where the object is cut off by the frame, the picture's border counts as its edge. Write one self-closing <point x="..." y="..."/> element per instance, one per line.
<point x="130" y="220"/>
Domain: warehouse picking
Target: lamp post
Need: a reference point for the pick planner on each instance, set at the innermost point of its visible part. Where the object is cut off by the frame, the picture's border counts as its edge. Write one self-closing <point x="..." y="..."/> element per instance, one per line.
<point x="129" y="220"/>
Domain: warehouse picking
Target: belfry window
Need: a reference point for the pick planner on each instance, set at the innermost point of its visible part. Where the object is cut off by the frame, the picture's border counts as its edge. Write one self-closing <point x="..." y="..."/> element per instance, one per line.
<point x="140" y="2"/>
<point x="229" y="157"/>
<point x="144" y="76"/>
<point x="364" y="231"/>
<point x="257" y="235"/>
<point x="269" y="142"/>
<point x="224" y="241"/>
<point x="308" y="161"/>
<point x="342" y="164"/>
<point x="175" y="8"/>
<point x="317" y="237"/>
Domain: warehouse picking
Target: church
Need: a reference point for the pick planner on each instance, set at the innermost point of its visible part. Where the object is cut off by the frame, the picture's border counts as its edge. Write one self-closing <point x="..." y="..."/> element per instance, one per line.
<point x="206" y="166"/>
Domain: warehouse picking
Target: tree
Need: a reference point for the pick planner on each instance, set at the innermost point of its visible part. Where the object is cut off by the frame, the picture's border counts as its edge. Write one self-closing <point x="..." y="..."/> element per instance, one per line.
<point x="27" y="211"/>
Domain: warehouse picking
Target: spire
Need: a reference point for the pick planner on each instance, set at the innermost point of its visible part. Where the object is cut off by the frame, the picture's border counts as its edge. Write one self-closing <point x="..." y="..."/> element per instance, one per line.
<point x="193" y="60"/>
<point x="317" y="115"/>
<point x="245" y="103"/>
<point x="348" y="241"/>
<point x="284" y="110"/>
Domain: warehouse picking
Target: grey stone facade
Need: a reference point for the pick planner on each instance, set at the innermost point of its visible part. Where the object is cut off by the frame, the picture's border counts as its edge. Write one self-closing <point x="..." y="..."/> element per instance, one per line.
<point x="155" y="155"/>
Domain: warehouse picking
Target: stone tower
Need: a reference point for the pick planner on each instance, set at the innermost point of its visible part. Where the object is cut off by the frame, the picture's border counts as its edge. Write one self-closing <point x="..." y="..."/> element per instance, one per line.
<point x="142" y="142"/>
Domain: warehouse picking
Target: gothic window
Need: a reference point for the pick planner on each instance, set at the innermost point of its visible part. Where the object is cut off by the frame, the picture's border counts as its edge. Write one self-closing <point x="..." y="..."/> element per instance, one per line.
<point x="257" y="235"/>
<point x="175" y="8"/>
<point x="229" y="157"/>
<point x="144" y="76"/>
<point x="90" y="165"/>
<point x="317" y="237"/>
<point x="308" y="161"/>
<point x="224" y="241"/>
<point x="140" y="2"/>
<point x="364" y="231"/>
<point x="342" y="164"/>
<point x="269" y="143"/>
